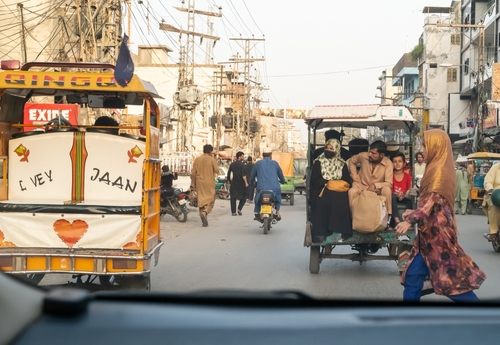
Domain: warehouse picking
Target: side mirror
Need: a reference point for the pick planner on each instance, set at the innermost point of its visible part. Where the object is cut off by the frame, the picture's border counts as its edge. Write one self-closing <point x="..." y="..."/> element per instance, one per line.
<point x="114" y="102"/>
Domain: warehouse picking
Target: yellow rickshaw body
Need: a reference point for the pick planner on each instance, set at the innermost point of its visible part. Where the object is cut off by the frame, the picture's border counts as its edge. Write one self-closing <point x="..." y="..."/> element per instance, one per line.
<point x="478" y="165"/>
<point x="78" y="199"/>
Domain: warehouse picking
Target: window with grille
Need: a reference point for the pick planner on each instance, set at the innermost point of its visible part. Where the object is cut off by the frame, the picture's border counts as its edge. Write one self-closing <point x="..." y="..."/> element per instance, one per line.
<point x="451" y="75"/>
<point x="455" y="39"/>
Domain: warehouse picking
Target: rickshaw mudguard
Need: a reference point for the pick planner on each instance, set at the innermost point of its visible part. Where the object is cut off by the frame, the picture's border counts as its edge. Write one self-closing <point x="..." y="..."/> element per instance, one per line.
<point x="379" y="237"/>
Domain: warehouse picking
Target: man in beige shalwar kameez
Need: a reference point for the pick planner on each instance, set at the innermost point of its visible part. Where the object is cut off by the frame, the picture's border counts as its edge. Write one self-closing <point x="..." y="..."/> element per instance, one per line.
<point x="203" y="175"/>
<point x="375" y="175"/>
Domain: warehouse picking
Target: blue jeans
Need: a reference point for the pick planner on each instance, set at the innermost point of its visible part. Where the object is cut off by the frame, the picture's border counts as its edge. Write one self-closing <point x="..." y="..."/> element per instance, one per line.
<point x="277" y="201"/>
<point x="414" y="281"/>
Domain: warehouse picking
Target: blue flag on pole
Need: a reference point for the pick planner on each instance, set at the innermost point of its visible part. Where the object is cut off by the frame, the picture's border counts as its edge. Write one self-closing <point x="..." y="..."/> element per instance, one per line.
<point x="124" y="69"/>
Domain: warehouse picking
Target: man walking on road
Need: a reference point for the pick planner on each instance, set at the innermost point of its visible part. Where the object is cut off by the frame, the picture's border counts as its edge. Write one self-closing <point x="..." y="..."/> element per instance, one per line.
<point x="269" y="176"/>
<point x="203" y="181"/>
<point x="462" y="191"/>
<point x="238" y="183"/>
<point x="251" y="185"/>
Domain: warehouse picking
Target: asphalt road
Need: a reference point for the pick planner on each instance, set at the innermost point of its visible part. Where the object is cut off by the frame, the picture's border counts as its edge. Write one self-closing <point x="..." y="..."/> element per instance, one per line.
<point x="233" y="253"/>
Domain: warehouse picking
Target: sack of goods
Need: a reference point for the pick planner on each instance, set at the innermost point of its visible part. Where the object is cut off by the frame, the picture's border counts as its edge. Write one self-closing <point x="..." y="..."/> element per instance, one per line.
<point x="369" y="212"/>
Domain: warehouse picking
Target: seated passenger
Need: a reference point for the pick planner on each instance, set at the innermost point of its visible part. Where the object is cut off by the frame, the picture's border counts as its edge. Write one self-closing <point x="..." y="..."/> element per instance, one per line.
<point x="333" y="134"/>
<point x="375" y="173"/>
<point x="358" y="145"/>
<point x="329" y="201"/>
<point x="400" y="186"/>
<point x="107" y="121"/>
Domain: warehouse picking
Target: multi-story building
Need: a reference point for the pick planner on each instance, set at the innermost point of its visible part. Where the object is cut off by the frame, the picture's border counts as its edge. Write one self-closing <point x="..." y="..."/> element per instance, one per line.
<point x="439" y="64"/>
<point x="387" y="90"/>
<point x="479" y="71"/>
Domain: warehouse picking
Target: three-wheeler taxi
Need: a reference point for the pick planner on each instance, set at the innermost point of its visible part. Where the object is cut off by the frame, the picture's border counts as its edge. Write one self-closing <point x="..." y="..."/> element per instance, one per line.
<point x="364" y="245"/>
<point x="77" y="199"/>
<point x="478" y="165"/>
<point x="285" y="161"/>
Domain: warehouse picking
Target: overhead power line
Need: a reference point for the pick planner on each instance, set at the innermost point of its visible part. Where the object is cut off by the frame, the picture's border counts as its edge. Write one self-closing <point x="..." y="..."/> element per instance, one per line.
<point x="326" y="73"/>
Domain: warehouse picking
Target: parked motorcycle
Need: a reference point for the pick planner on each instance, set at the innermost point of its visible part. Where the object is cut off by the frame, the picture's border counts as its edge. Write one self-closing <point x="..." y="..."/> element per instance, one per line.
<point x="267" y="214"/>
<point x="173" y="202"/>
<point x="221" y="188"/>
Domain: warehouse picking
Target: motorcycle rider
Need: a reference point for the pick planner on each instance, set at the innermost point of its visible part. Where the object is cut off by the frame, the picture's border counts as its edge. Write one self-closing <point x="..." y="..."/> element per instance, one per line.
<point x="269" y="176"/>
<point x="167" y="177"/>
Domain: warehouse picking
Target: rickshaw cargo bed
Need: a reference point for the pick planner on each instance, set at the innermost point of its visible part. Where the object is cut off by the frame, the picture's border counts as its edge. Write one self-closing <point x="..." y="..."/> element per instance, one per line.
<point x="381" y="237"/>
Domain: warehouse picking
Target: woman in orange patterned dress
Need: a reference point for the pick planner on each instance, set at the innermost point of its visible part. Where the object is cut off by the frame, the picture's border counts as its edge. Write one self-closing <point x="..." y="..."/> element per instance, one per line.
<point x="436" y="252"/>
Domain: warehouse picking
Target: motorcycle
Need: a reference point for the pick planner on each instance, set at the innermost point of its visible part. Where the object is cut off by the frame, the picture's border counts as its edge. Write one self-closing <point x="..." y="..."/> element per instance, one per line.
<point x="221" y="189"/>
<point x="173" y="202"/>
<point x="267" y="214"/>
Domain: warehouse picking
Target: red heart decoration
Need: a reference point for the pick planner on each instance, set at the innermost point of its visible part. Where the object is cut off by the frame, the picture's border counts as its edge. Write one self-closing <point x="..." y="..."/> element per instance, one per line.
<point x="70" y="233"/>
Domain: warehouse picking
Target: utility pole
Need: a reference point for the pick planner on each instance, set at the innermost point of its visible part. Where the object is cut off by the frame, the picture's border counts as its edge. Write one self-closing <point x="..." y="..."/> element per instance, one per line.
<point x="247" y="44"/>
<point x="23" y="34"/>
<point x="187" y="96"/>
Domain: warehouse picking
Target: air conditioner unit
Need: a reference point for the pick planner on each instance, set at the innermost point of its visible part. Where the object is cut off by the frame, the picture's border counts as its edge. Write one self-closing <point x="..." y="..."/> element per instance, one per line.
<point x="227" y="121"/>
<point x="213" y="121"/>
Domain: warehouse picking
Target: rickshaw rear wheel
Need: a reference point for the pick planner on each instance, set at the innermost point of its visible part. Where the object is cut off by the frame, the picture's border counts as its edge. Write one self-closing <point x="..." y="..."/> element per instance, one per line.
<point x="292" y="199"/>
<point x="138" y="282"/>
<point x="314" y="259"/>
<point x="470" y="207"/>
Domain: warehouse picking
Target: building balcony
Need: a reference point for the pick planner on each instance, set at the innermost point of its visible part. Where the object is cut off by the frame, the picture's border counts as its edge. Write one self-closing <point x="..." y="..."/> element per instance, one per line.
<point x="487" y="19"/>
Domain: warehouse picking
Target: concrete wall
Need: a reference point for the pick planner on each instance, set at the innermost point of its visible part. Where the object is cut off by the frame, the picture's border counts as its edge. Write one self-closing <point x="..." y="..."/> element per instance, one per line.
<point x="439" y="50"/>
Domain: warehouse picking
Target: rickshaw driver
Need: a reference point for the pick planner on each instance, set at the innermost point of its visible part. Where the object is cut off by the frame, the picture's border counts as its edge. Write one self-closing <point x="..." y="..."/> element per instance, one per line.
<point x="375" y="174"/>
<point x="491" y="182"/>
<point x="269" y="175"/>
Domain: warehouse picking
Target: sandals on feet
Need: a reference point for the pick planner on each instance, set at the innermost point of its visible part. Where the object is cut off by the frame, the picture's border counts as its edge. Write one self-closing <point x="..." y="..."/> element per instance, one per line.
<point x="490" y="237"/>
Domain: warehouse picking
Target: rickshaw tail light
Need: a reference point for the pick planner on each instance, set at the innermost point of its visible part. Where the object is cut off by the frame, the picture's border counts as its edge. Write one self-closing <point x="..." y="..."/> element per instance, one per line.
<point x="5" y="261"/>
<point x="124" y="264"/>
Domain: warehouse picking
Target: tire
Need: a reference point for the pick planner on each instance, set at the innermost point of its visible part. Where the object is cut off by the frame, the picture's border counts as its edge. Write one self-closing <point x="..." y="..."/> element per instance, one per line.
<point x="314" y="260"/>
<point x="292" y="199"/>
<point x="496" y="245"/>
<point x="138" y="282"/>
<point x="265" y="226"/>
<point x="182" y="217"/>
<point x="33" y="279"/>
<point x="470" y="207"/>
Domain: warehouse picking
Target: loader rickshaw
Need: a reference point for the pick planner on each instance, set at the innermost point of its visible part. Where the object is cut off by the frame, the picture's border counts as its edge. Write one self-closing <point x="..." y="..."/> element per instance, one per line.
<point x="285" y="161"/>
<point x="77" y="199"/>
<point x="478" y="165"/>
<point x="364" y="245"/>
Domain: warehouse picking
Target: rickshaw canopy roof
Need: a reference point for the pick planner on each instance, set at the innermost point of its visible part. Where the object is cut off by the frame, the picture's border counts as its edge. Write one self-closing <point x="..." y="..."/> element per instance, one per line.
<point x="50" y="83"/>
<point x="484" y="155"/>
<point x="360" y="116"/>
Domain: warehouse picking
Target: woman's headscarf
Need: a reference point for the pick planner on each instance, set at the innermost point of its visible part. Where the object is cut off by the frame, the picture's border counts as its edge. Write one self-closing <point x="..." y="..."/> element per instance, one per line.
<point x="331" y="168"/>
<point x="439" y="176"/>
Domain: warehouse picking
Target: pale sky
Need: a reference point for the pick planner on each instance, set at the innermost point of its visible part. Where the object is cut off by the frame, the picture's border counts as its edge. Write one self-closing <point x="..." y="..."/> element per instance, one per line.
<point x="317" y="52"/>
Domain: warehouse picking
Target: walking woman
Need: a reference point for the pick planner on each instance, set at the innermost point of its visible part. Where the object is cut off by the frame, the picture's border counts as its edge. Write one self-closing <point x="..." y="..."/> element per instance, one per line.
<point x="330" y="181"/>
<point x="436" y="251"/>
